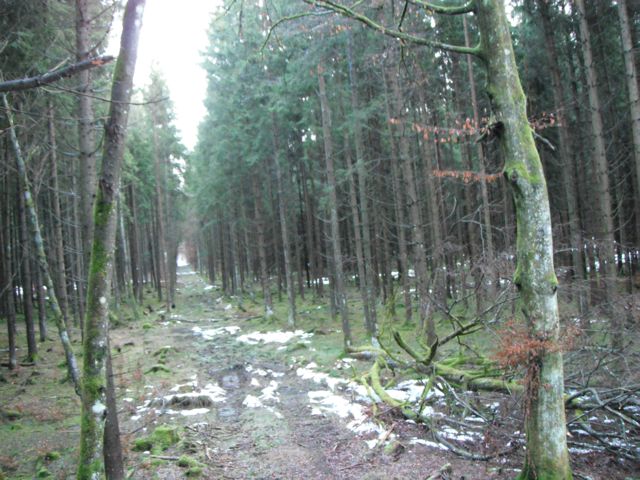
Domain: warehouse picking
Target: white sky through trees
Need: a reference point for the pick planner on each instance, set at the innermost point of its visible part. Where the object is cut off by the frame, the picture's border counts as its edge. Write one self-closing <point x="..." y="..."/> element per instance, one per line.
<point x="174" y="33"/>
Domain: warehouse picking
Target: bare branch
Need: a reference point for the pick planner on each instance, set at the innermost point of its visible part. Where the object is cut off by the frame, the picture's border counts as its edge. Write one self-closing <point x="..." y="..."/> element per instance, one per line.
<point x="54" y="76"/>
<point x="407" y="37"/>
<point x="466" y="7"/>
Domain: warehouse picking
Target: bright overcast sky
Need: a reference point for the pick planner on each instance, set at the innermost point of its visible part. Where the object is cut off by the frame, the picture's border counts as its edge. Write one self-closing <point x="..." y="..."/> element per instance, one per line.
<point x="174" y="33"/>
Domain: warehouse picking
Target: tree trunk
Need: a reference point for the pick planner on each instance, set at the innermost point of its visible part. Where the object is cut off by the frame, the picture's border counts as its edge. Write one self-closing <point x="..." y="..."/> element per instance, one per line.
<point x="340" y="295"/>
<point x="604" y="229"/>
<point x="628" y="53"/>
<point x="368" y="279"/>
<point x="94" y="402"/>
<point x="547" y="455"/>
<point x="262" y="251"/>
<point x="488" y="250"/>
<point x="161" y="239"/>
<point x="134" y="255"/>
<point x="85" y="130"/>
<point x="567" y="169"/>
<point x="26" y="280"/>
<point x="284" y="228"/>
<point x="427" y="323"/>
<point x="61" y="290"/>
<point x="353" y="202"/>
<point x="6" y="276"/>
<point x="398" y="205"/>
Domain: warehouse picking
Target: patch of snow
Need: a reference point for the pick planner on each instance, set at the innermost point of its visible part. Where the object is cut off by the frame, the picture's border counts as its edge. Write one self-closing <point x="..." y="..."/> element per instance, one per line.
<point x="278" y="336"/>
<point x="251" y="401"/>
<point x="427" y="443"/>
<point x="214" y="332"/>
<point x="188" y="413"/>
<point x="255" y="382"/>
<point x="208" y="287"/>
<point x="269" y="392"/>
<point x="453" y="434"/>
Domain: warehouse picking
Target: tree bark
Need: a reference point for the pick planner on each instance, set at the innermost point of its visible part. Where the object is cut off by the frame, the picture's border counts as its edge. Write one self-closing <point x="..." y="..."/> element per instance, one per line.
<point x="85" y="129"/>
<point x="631" y="72"/>
<point x="427" y="323"/>
<point x="488" y="250"/>
<point x="604" y="229"/>
<point x="6" y="277"/>
<point x="262" y="251"/>
<point x="567" y="168"/>
<point x="368" y="279"/>
<point x="547" y="455"/>
<point x="284" y="228"/>
<point x="61" y="290"/>
<point x="398" y="205"/>
<point x="94" y="402"/>
<point x="26" y="278"/>
<point x="339" y="290"/>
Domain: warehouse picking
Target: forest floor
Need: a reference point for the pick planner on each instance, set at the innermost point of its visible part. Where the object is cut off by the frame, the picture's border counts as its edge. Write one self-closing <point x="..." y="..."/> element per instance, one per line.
<point x="214" y="390"/>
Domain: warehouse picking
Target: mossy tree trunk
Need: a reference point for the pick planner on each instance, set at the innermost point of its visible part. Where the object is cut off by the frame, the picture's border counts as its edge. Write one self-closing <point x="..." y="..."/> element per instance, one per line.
<point x="94" y="402"/>
<point x="547" y="456"/>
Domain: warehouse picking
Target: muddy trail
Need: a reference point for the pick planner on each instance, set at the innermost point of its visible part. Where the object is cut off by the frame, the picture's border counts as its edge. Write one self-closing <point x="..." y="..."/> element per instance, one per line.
<point x="252" y="405"/>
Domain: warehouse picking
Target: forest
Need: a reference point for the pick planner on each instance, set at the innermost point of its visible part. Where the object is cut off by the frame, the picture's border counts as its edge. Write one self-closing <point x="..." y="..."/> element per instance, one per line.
<point x="404" y="245"/>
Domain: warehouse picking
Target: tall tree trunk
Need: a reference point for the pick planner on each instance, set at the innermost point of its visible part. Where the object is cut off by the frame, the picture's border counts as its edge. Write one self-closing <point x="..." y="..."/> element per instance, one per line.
<point x="398" y="205"/>
<point x="94" y="401"/>
<point x="61" y="290"/>
<point x="547" y="455"/>
<point x="631" y="72"/>
<point x="489" y="252"/>
<point x="353" y="202"/>
<point x="262" y="251"/>
<point x="567" y="169"/>
<point x="6" y="275"/>
<point x="134" y="255"/>
<point x="26" y="278"/>
<point x="339" y="289"/>
<point x="368" y="279"/>
<point x="161" y="239"/>
<point x="42" y="305"/>
<point x="427" y="323"/>
<point x="85" y="129"/>
<point x="284" y="228"/>
<point x="604" y="228"/>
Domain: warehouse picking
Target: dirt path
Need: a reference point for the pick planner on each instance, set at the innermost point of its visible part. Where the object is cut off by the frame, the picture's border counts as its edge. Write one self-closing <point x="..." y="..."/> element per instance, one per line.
<point x="253" y="408"/>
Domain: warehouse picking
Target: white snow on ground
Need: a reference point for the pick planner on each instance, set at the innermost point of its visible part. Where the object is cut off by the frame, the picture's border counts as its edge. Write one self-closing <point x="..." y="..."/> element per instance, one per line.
<point x="278" y="336"/>
<point x="428" y="443"/>
<point x="214" y="332"/>
<point x="214" y="392"/>
<point x="208" y="287"/>
<point x="268" y="394"/>
<point x="325" y="401"/>
<point x="453" y="434"/>
<point x="351" y="408"/>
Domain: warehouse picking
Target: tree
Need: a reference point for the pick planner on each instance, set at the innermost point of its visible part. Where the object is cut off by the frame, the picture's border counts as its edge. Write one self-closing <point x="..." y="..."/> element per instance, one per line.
<point x="95" y="344"/>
